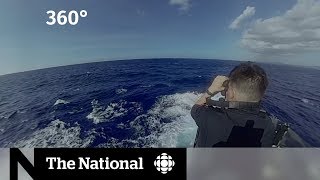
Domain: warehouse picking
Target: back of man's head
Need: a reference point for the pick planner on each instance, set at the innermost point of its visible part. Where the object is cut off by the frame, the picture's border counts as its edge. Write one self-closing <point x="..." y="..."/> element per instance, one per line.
<point x="249" y="81"/>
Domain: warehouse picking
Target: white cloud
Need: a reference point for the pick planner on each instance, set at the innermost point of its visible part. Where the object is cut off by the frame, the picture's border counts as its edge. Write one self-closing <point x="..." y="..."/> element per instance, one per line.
<point x="295" y="32"/>
<point x="184" y="5"/>
<point x="247" y="13"/>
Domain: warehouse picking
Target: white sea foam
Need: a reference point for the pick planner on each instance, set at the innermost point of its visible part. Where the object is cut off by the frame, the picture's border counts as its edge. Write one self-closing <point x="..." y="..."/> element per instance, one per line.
<point x="115" y="143"/>
<point x="305" y="100"/>
<point x="167" y="124"/>
<point x="101" y="113"/>
<point x="106" y="114"/>
<point x="121" y="91"/>
<point x="61" y="101"/>
<point x="181" y="130"/>
<point x="56" y="134"/>
<point x="121" y="126"/>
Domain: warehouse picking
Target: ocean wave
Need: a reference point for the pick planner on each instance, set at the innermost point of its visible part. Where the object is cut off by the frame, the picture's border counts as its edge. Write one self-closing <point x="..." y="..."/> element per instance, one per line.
<point x="306" y="101"/>
<point x="146" y="86"/>
<point x="101" y="113"/>
<point x="121" y="91"/>
<point x="12" y="115"/>
<point x="56" y="134"/>
<point x="167" y="124"/>
<point x="121" y="126"/>
<point x="61" y="101"/>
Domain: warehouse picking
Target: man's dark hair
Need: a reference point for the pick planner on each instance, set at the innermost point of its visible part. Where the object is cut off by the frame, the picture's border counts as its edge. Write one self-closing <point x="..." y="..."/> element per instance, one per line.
<point x="250" y="80"/>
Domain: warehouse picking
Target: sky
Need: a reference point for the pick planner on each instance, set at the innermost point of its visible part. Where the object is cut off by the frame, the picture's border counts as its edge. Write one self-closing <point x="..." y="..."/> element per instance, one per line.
<point x="269" y="31"/>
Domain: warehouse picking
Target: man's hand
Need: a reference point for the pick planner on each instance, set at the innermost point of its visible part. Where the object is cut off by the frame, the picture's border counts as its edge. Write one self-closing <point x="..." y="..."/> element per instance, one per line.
<point x="217" y="84"/>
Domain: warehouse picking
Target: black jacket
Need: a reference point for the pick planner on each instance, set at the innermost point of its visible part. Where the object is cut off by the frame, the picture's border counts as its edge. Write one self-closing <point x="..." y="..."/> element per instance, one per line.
<point x="239" y="127"/>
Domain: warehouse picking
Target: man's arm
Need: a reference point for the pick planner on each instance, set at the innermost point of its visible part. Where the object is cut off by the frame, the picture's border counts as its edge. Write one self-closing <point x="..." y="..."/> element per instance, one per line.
<point x="199" y="111"/>
<point x="216" y="86"/>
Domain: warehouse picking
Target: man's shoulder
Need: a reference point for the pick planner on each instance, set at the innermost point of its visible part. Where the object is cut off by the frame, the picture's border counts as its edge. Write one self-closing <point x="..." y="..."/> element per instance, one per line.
<point x="201" y="113"/>
<point x="206" y="109"/>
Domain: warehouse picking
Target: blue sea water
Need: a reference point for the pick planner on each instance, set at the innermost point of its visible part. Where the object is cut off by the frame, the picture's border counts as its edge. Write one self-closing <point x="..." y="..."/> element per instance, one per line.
<point x="137" y="103"/>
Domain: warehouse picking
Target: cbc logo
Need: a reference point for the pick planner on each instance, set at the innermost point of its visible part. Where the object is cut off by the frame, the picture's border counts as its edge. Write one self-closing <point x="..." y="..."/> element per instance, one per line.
<point x="164" y="163"/>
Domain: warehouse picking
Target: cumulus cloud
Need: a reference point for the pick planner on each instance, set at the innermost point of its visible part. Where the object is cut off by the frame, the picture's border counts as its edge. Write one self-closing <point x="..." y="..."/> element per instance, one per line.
<point x="247" y="13"/>
<point x="184" y="5"/>
<point x="296" y="31"/>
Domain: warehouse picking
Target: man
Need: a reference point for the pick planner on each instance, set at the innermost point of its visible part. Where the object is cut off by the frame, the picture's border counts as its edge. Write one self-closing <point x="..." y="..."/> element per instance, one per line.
<point x="239" y="121"/>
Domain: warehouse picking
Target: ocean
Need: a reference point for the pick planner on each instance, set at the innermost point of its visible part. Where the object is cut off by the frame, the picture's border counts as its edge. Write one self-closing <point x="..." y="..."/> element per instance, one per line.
<point x="137" y="103"/>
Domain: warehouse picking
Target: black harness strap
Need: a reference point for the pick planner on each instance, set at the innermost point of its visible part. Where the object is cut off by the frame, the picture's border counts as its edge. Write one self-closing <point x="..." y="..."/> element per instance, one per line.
<point x="280" y="131"/>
